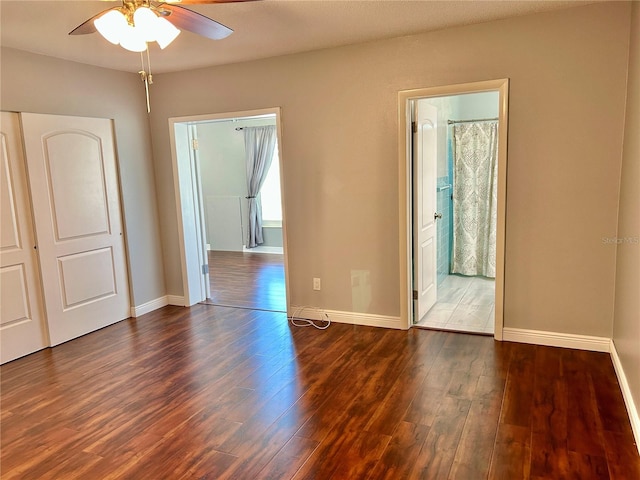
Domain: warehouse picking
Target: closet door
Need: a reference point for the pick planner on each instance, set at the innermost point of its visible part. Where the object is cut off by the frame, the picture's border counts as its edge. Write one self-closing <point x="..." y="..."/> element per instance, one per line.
<point x="22" y="329"/>
<point x="72" y="173"/>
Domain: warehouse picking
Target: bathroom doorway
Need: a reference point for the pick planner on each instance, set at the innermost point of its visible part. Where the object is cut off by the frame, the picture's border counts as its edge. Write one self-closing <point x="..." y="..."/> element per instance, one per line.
<point x="465" y="144"/>
<point x="455" y="170"/>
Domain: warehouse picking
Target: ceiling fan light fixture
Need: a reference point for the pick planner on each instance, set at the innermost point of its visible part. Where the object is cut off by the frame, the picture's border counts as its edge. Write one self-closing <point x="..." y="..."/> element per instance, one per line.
<point x="166" y="32"/>
<point x="138" y="22"/>
<point x="145" y="23"/>
<point x="132" y="40"/>
<point x="111" y="25"/>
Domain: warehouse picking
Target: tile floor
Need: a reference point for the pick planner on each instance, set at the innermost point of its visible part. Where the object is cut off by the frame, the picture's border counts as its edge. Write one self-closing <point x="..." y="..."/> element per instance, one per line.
<point x="464" y="304"/>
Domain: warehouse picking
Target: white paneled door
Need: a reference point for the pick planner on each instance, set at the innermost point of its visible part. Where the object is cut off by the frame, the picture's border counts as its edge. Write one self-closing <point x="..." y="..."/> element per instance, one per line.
<point x="424" y="223"/>
<point x="76" y="204"/>
<point x="22" y="327"/>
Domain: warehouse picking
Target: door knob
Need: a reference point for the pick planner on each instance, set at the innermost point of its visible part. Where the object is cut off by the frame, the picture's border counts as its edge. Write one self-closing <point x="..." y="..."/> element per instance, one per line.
<point x="437" y="216"/>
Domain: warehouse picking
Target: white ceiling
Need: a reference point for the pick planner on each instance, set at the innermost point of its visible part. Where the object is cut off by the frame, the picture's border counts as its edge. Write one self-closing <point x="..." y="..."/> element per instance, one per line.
<point x="261" y="29"/>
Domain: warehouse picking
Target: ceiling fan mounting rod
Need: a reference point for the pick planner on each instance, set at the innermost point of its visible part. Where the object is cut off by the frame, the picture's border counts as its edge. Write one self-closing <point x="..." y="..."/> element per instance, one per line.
<point x="133" y="4"/>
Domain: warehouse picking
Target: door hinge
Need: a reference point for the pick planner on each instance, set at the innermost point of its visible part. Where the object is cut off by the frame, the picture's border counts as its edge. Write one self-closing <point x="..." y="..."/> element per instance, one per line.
<point x="194" y="143"/>
<point x="205" y="269"/>
<point x="415" y="294"/>
<point x="414" y="127"/>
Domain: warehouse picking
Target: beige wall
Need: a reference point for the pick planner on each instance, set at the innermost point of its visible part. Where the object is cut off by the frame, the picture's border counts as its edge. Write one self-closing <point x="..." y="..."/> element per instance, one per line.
<point x="35" y="83"/>
<point x="339" y="116"/>
<point x="626" y="326"/>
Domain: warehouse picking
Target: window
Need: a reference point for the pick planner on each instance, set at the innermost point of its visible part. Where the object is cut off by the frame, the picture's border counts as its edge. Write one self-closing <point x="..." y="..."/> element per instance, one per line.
<point x="270" y="194"/>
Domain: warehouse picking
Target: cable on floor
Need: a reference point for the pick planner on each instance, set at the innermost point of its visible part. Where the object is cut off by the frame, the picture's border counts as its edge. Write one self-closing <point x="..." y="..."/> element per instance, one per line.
<point x="321" y="324"/>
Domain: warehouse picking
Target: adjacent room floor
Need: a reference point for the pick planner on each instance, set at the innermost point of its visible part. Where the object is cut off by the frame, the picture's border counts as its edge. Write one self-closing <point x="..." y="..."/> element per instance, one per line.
<point x="247" y="280"/>
<point x="464" y="304"/>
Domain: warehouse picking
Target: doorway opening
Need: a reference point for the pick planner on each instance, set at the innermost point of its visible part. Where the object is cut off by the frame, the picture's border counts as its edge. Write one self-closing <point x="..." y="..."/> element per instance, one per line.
<point x="453" y="175"/>
<point x="229" y="179"/>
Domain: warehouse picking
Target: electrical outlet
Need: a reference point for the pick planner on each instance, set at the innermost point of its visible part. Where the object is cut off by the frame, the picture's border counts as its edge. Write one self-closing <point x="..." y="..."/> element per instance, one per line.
<point x="316" y="284"/>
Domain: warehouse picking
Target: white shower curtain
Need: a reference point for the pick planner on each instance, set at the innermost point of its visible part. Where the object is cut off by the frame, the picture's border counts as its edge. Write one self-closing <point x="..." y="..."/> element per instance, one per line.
<point x="475" y="198"/>
<point x="259" y="144"/>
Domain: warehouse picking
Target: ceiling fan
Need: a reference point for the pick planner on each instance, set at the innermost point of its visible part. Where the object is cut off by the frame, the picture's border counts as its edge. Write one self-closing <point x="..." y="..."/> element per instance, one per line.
<point x="136" y="23"/>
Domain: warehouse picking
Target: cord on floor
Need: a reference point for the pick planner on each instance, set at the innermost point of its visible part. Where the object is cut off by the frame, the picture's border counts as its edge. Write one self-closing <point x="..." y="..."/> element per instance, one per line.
<point x="321" y="324"/>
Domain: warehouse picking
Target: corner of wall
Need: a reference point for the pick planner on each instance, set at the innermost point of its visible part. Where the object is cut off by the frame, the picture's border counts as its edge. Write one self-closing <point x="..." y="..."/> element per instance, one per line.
<point x="632" y="408"/>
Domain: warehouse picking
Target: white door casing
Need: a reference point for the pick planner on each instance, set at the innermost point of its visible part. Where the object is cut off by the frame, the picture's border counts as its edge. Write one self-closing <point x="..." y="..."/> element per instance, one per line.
<point x="76" y="203"/>
<point x="22" y="325"/>
<point x="425" y="235"/>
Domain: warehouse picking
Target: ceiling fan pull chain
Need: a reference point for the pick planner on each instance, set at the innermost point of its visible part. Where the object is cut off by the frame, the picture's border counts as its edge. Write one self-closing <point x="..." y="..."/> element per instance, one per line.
<point x="145" y="78"/>
<point x="150" y="76"/>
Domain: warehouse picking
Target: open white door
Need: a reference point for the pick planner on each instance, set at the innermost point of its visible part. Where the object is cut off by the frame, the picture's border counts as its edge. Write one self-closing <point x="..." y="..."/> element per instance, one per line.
<point x="424" y="213"/>
<point x="22" y="328"/>
<point x="74" y="186"/>
<point x="198" y="200"/>
<point x="189" y="215"/>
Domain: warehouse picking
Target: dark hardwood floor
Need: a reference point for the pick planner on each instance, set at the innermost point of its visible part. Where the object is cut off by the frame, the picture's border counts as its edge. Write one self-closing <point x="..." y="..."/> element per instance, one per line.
<point x="247" y="280"/>
<point x="223" y="393"/>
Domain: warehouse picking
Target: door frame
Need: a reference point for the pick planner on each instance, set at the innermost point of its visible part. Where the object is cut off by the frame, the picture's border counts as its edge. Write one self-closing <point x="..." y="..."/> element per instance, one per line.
<point x="406" y="194"/>
<point x="189" y="239"/>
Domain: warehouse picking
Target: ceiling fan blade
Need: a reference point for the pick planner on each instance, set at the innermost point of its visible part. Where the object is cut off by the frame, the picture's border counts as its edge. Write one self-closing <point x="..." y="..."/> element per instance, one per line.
<point x="88" y="26"/>
<point x="194" y="22"/>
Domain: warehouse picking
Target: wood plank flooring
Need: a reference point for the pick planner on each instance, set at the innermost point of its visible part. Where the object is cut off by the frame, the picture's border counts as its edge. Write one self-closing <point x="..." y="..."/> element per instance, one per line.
<point x="247" y="280"/>
<point x="223" y="393"/>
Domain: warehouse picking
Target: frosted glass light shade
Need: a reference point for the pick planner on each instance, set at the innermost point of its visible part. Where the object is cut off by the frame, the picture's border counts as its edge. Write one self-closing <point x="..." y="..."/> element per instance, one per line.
<point x="132" y="40"/>
<point x="134" y="33"/>
<point x="111" y="25"/>
<point x="145" y="23"/>
<point x="165" y="32"/>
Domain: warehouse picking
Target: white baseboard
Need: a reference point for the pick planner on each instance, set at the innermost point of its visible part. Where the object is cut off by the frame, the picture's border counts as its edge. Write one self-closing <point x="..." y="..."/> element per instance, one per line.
<point x="149" y="306"/>
<point x="175" y="300"/>
<point x="156" y="304"/>
<point x="263" y="249"/>
<point x="632" y="409"/>
<point x="556" y="339"/>
<point x="352" y="318"/>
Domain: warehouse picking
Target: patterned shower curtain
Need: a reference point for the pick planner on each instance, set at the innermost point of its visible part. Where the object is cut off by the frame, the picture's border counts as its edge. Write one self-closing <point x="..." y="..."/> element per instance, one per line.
<point x="475" y="179"/>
